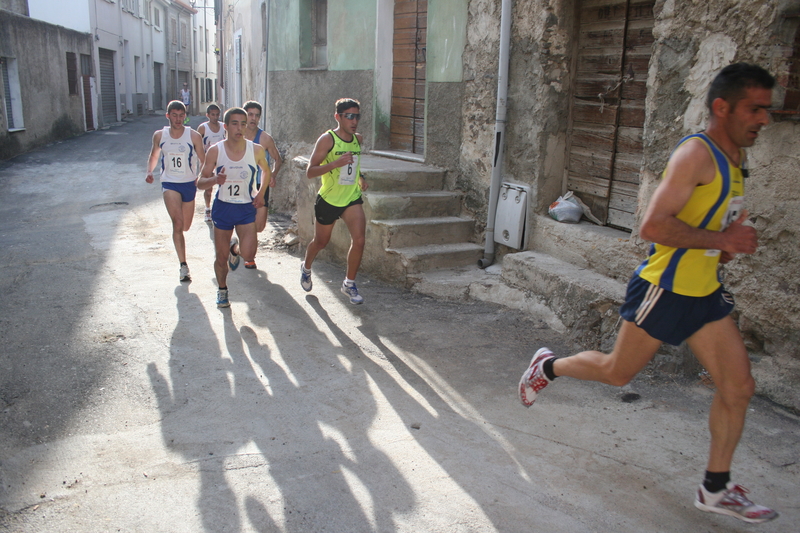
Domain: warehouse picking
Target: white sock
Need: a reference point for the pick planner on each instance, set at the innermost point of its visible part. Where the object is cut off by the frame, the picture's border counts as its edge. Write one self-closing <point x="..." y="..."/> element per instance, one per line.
<point x="348" y="281"/>
<point x="303" y="266"/>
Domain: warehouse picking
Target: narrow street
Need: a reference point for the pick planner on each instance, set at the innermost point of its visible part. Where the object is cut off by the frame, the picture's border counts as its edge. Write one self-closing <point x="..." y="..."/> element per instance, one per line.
<point x="129" y="402"/>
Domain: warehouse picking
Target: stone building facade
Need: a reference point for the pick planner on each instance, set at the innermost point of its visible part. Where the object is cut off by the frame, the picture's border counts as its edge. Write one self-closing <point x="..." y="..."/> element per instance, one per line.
<point x="599" y="92"/>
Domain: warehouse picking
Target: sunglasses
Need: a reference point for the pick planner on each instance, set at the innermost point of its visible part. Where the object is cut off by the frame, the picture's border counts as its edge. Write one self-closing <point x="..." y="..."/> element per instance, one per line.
<point x="352" y="116"/>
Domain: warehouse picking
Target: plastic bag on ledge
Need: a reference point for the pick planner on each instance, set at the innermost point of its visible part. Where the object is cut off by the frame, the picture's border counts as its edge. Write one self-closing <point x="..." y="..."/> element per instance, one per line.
<point x="566" y="209"/>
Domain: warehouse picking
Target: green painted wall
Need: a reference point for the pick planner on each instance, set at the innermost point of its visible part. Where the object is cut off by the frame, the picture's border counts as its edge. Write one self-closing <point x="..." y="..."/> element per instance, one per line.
<point x="351" y="34"/>
<point x="447" y="36"/>
<point x="284" y="35"/>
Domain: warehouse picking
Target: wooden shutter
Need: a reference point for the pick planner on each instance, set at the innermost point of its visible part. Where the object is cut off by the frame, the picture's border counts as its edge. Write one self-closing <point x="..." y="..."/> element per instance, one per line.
<point x="605" y="152"/>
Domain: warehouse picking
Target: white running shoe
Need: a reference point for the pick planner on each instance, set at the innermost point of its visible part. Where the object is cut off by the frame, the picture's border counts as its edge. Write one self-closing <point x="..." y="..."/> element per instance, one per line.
<point x="208" y="214"/>
<point x="222" y="298"/>
<point x="533" y="379"/>
<point x="305" y="277"/>
<point x="733" y="502"/>
<point x="185" y="276"/>
<point x="352" y="291"/>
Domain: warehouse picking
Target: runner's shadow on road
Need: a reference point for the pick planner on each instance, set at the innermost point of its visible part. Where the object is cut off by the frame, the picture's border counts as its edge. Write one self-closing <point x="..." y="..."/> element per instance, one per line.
<point x="424" y="399"/>
<point x="261" y="423"/>
<point x="322" y="402"/>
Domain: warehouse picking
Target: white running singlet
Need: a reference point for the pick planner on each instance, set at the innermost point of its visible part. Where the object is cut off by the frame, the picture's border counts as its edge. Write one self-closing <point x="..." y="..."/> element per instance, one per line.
<point x="210" y="138"/>
<point x="177" y="157"/>
<point x="240" y="175"/>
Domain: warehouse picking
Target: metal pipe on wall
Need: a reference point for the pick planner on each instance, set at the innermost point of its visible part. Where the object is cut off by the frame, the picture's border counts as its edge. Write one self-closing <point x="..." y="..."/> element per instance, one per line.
<point x="499" y="132"/>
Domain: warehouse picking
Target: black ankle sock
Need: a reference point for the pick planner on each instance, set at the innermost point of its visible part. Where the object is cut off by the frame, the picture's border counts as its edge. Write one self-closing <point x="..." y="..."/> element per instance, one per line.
<point x="183" y="264"/>
<point x="225" y="288"/>
<point x="547" y="368"/>
<point x="716" y="481"/>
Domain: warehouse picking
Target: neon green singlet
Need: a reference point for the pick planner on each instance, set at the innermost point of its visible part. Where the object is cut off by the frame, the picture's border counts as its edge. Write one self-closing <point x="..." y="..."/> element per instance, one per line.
<point x="340" y="185"/>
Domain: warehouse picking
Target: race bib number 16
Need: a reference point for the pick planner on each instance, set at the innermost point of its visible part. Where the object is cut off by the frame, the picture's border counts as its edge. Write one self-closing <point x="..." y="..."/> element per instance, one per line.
<point x="176" y="163"/>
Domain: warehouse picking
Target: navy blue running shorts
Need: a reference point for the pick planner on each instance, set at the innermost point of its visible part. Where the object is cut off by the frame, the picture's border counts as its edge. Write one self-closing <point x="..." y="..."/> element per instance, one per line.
<point x="227" y="215"/>
<point x="188" y="189"/>
<point x="670" y="317"/>
<point x="327" y="214"/>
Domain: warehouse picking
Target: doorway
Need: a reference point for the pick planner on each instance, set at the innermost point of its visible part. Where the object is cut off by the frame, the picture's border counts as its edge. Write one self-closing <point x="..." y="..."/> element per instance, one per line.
<point x="407" y="130"/>
<point x="615" y="42"/>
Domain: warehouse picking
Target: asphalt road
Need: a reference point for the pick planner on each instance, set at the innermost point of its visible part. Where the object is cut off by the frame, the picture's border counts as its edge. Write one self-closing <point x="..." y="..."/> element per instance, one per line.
<point x="129" y="402"/>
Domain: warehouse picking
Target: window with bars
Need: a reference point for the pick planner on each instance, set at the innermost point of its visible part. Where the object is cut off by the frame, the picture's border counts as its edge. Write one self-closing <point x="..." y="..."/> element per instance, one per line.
<point x="72" y="72"/>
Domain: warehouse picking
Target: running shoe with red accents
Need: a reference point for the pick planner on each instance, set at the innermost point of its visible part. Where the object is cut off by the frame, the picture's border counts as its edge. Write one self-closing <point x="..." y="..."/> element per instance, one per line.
<point x="533" y="379"/>
<point x="733" y="502"/>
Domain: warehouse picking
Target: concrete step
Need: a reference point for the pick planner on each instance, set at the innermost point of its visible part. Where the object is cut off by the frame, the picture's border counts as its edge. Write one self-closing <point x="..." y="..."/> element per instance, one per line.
<point x="384" y="174"/>
<point x="405" y="204"/>
<point x="429" y="179"/>
<point x="410" y="232"/>
<point x="572" y="300"/>
<point x="586" y="302"/>
<point x="417" y="259"/>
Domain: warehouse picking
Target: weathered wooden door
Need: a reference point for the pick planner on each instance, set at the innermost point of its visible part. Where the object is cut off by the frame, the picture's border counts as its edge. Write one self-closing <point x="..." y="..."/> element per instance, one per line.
<point x="605" y="152"/>
<point x="407" y="131"/>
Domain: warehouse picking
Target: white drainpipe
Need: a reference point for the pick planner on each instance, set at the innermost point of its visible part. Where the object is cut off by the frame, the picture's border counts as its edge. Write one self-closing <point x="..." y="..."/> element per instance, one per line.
<point x="499" y="131"/>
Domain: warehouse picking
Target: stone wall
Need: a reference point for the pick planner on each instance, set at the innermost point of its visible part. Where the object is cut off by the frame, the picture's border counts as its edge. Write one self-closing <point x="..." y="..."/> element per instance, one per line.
<point x="49" y="112"/>
<point x="694" y="39"/>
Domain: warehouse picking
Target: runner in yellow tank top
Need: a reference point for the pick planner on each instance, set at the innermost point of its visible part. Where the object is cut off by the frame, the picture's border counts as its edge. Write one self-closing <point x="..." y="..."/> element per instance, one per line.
<point x="696" y="218"/>
<point x="336" y="158"/>
<point x="340" y="186"/>
<point x="713" y="206"/>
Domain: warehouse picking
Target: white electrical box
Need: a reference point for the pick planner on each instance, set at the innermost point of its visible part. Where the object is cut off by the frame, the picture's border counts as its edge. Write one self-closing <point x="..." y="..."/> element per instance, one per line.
<point x="509" y="220"/>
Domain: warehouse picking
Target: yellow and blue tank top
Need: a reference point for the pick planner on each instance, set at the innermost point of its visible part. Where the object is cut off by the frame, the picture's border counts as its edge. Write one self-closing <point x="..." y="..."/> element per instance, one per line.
<point x="693" y="272"/>
<point x="340" y="185"/>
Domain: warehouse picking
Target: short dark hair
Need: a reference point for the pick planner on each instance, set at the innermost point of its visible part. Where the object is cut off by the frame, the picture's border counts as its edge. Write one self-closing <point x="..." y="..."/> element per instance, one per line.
<point x="233" y="111"/>
<point x="212" y="107"/>
<point x="250" y="104"/>
<point x="732" y="81"/>
<point x="343" y="104"/>
<point x="176" y="105"/>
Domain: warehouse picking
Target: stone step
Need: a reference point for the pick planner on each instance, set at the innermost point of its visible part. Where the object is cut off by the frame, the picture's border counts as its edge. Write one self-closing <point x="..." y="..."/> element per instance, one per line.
<point x="586" y="302"/>
<point x="384" y="174"/>
<point x="405" y="204"/>
<point x="437" y="256"/>
<point x="412" y="180"/>
<point x="411" y="232"/>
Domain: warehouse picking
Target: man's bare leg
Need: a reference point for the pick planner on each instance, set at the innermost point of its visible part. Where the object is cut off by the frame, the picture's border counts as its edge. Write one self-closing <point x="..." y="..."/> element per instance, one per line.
<point x="356" y="223"/>
<point x="177" y="211"/>
<point x="719" y="348"/>
<point x="633" y="349"/>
